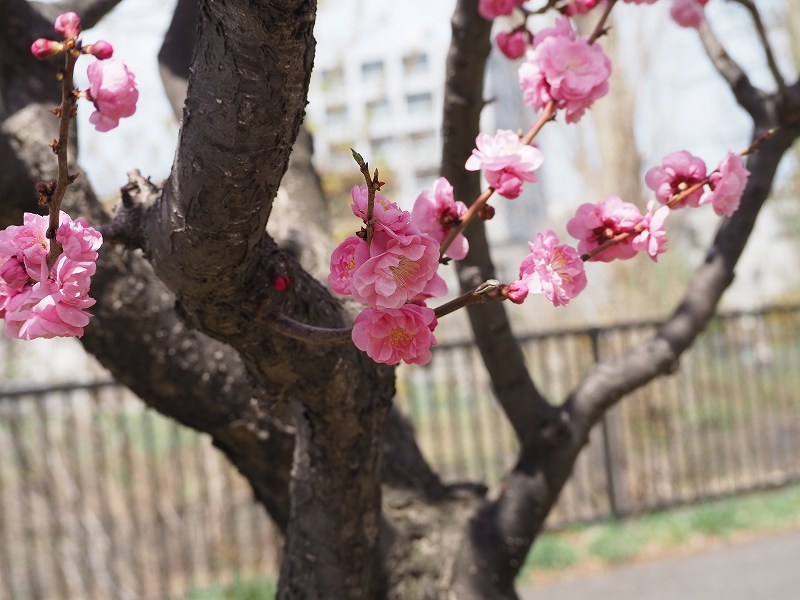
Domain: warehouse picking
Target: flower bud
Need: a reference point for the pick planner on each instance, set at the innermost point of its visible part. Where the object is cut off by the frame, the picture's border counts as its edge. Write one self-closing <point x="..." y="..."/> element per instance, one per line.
<point x="100" y="49"/>
<point x="486" y="212"/>
<point x="68" y="25"/>
<point x="43" y="49"/>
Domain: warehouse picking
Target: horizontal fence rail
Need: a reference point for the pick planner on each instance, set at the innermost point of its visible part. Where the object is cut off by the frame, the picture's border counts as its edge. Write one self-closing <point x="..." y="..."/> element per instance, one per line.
<point x="102" y="498"/>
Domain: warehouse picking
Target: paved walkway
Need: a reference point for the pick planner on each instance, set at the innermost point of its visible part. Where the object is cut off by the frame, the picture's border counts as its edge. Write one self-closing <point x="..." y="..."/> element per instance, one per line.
<point x="763" y="569"/>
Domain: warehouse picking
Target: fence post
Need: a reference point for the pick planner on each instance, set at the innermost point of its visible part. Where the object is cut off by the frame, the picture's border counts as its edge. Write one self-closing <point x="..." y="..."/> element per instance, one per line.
<point x="606" y="430"/>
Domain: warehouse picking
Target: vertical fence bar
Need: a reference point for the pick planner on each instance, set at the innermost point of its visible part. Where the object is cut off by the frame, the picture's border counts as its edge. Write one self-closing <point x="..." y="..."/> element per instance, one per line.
<point x="6" y="565"/>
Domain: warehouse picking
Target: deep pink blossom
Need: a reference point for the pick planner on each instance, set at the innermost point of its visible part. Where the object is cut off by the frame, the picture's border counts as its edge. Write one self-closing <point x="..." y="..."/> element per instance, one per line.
<point x="43" y="49"/>
<point x="100" y="50"/>
<point x="399" y="266"/>
<point x="13" y="273"/>
<point x="553" y="269"/>
<point x="565" y="68"/>
<point x="27" y="243"/>
<point x="389" y="336"/>
<point x="385" y="212"/>
<point x="437" y="212"/>
<point x="513" y="44"/>
<point x="505" y="160"/>
<point x="68" y="24"/>
<point x="688" y="13"/>
<point x="581" y="7"/>
<point x="678" y="172"/>
<point x="112" y="88"/>
<point x="80" y="242"/>
<point x="345" y="258"/>
<point x="653" y="238"/>
<point x="727" y="185"/>
<point x="516" y="292"/>
<point x="595" y="224"/>
<point x="490" y="9"/>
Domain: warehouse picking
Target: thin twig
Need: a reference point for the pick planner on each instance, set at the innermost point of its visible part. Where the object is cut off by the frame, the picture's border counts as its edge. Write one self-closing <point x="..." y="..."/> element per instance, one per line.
<point x="762" y="34"/>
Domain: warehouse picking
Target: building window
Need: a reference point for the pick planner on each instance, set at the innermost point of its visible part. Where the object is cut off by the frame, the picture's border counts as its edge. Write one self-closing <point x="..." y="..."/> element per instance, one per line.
<point x="415" y="64"/>
<point x="378" y="109"/>
<point x="336" y="113"/>
<point x="332" y="78"/>
<point x="372" y="70"/>
<point x="381" y="145"/>
<point x="419" y="103"/>
<point x="423" y="141"/>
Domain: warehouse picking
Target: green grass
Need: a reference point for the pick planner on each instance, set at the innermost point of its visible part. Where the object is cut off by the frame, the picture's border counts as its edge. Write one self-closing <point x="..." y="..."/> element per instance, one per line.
<point x="261" y="588"/>
<point x="613" y="542"/>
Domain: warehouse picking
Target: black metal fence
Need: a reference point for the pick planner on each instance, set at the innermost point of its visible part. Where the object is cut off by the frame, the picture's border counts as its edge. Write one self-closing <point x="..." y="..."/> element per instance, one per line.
<point x="102" y="498"/>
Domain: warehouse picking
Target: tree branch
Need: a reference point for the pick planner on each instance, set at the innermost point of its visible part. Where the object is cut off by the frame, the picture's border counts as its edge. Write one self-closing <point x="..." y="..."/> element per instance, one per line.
<point x="762" y="34"/>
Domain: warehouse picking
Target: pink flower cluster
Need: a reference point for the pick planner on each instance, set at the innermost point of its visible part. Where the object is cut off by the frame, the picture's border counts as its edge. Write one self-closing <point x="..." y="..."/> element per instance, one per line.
<point x="112" y="87"/>
<point x="620" y="228"/>
<point x="396" y="272"/>
<point x="681" y="171"/>
<point x="506" y="162"/>
<point x="41" y="302"/>
<point x="551" y="268"/>
<point x="565" y="68"/>
<point x="688" y="13"/>
<point x="490" y="9"/>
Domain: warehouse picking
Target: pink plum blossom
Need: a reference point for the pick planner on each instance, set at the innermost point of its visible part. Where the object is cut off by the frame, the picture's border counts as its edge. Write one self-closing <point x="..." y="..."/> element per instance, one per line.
<point x="653" y="238"/>
<point x="68" y="24"/>
<point x="580" y="7"/>
<point x="678" y="172"/>
<point x="100" y="50"/>
<point x="513" y="44"/>
<point x="490" y="9"/>
<point x="553" y="269"/>
<point x="399" y="266"/>
<point x="437" y="212"/>
<point x="505" y="160"/>
<point x="688" y="13"/>
<point x="727" y="185"/>
<point x="395" y="334"/>
<point x="385" y="212"/>
<point x="43" y="48"/>
<point x="595" y="224"/>
<point x="344" y="260"/>
<point x="566" y="69"/>
<point x="112" y="88"/>
<point x="516" y="292"/>
<point x="39" y="302"/>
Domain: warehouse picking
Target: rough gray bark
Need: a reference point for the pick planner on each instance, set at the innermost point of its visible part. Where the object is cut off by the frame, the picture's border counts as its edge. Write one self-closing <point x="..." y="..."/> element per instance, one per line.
<point x="186" y="322"/>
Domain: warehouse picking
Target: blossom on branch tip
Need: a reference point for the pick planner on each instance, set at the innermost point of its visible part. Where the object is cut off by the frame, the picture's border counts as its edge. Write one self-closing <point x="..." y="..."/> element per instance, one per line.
<point x="678" y="172"/>
<point x="436" y="213"/>
<point x="553" y="269"/>
<point x="727" y="185"/>
<point x="688" y="13"/>
<point x="112" y="88"/>
<point x="652" y="239"/>
<point x="68" y="24"/>
<point x="395" y="334"/>
<point x="43" y="48"/>
<point x="384" y="211"/>
<point x="100" y="50"/>
<point x="490" y="9"/>
<point x="513" y="44"/>
<point x="505" y="160"/>
<point x="565" y="68"/>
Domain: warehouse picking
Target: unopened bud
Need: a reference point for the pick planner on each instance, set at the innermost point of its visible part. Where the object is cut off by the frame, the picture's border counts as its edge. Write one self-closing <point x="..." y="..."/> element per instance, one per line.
<point x="68" y="25"/>
<point x="486" y="212"/>
<point x="100" y="49"/>
<point x="43" y="49"/>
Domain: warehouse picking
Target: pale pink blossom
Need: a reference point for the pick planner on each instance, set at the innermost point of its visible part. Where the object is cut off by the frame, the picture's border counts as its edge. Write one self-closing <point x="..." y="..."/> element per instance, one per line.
<point x="68" y="24"/>
<point x="27" y="243"/>
<point x="513" y="44"/>
<point x="688" y="13"/>
<point x="595" y="224"/>
<point x="347" y="256"/>
<point x="490" y="9"/>
<point x="437" y="212"/>
<point x="395" y="334"/>
<point x="435" y="288"/>
<point x="565" y="68"/>
<point x="727" y="185"/>
<point x="43" y="49"/>
<point x="80" y="242"/>
<point x="399" y="266"/>
<point x="505" y="160"/>
<point x="385" y="212"/>
<point x="112" y="88"/>
<point x="99" y="49"/>
<point x="13" y="273"/>
<point x="553" y="269"/>
<point x="678" y="172"/>
<point x="653" y="238"/>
